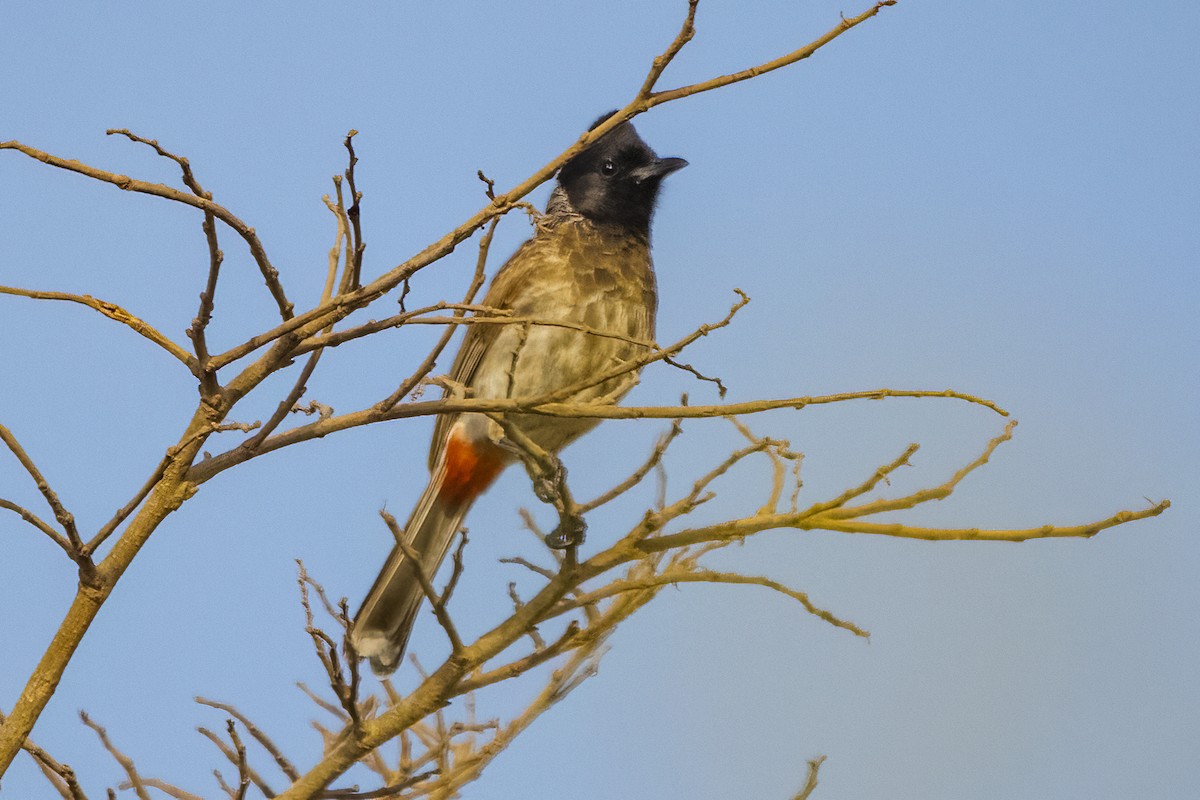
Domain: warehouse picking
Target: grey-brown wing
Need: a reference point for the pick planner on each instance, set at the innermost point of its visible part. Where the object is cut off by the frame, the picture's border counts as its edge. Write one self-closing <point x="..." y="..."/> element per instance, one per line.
<point x="479" y="338"/>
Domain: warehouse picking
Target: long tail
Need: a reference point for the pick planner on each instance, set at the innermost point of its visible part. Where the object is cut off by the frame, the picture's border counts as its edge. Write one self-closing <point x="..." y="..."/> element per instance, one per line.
<point x="386" y="617"/>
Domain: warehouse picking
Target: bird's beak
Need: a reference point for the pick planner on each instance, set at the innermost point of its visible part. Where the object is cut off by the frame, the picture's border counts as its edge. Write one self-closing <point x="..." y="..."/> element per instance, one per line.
<point x="659" y="168"/>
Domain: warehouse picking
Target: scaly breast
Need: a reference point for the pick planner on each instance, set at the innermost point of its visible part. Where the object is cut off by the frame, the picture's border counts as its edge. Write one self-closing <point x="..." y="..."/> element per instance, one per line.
<point x="603" y="283"/>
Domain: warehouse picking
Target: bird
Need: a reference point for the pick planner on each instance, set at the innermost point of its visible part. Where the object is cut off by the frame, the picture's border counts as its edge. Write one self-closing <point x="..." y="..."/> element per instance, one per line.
<point x="588" y="265"/>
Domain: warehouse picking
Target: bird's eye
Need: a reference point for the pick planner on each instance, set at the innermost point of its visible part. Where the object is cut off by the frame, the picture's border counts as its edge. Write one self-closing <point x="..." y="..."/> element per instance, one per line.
<point x="609" y="168"/>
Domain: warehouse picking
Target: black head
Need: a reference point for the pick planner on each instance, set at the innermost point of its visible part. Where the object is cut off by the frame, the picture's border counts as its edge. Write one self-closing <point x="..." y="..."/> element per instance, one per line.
<point x="616" y="180"/>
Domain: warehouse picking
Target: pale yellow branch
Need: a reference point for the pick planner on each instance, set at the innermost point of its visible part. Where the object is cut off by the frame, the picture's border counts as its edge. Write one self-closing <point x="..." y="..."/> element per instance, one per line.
<point x="881" y="474"/>
<point x="113" y="312"/>
<point x="923" y="496"/>
<point x="685" y="575"/>
<point x="811" y="782"/>
<point x="748" y="526"/>
<point x="984" y="534"/>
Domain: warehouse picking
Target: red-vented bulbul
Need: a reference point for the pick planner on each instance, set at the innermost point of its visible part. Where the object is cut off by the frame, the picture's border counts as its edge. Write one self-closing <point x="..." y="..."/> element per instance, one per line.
<point x="588" y="263"/>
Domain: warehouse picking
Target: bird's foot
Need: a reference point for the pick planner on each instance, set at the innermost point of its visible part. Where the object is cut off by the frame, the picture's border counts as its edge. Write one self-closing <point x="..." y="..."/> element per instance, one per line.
<point x="546" y="486"/>
<point x="571" y="532"/>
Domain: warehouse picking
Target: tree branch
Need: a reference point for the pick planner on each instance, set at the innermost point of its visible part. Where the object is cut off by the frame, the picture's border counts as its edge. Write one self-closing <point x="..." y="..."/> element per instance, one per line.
<point x="39" y="523"/>
<point x="60" y="775"/>
<point x="425" y="579"/>
<point x="270" y="274"/>
<point x="66" y="519"/>
<point x="113" y="312"/>
<point x="811" y="783"/>
<point x="125" y="761"/>
<point x="285" y="765"/>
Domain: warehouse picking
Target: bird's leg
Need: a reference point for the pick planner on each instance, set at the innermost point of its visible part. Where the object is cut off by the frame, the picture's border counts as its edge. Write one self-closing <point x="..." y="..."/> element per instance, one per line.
<point x="549" y="479"/>
<point x="546" y="482"/>
<point x="570" y="532"/>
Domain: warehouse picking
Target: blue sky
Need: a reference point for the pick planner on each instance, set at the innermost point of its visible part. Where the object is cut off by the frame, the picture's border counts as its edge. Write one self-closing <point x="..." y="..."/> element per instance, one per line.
<point x="998" y="198"/>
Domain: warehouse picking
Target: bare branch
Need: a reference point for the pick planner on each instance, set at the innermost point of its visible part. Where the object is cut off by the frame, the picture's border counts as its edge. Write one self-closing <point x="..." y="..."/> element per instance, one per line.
<point x="124" y="511"/>
<point x="545" y="573"/>
<point x="60" y="775"/>
<point x="656" y="456"/>
<point x="413" y="317"/>
<point x="270" y="274"/>
<point x="215" y="257"/>
<point x="546" y="406"/>
<point x="925" y="495"/>
<point x="522" y="665"/>
<point x="113" y="312"/>
<point x="721" y="389"/>
<point x="534" y="635"/>
<point x="281" y="760"/>
<point x="125" y="761"/>
<point x="686" y="32"/>
<point x="880" y="474"/>
<point x="1086" y="530"/>
<point x="413" y="558"/>
<point x="811" y="783"/>
<point x="39" y="523"/>
<point x="65" y="518"/>
<point x="775" y="450"/>
<point x="386" y="791"/>
<point x="457" y="572"/>
<point x="675" y="576"/>
<point x="235" y="754"/>
<point x="322" y="703"/>
<point x="166" y="788"/>
<point x="739" y="529"/>
<point x="657" y="98"/>
<point x="242" y="767"/>
<point x="355" y="255"/>
<point x="327" y="650"/>
<point x="427" y="365"/>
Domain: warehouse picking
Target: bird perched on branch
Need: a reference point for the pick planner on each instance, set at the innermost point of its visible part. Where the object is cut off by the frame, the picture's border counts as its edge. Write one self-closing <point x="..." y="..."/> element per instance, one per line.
<point x="588" y="264"/>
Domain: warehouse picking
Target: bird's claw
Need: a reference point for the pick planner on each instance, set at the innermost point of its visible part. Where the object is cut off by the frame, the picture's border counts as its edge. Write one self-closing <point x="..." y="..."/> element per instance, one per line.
<point x="569" y="533"/>
<point x="545" y="490"/>
<point x="546" y="485"/>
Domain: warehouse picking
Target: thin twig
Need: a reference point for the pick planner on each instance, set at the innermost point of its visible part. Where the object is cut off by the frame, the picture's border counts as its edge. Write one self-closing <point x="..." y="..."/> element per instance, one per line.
<point x="327" y="650"/>
<point x="215" y="257"/>
<point x="168" y="789"/>
<point x="259" y="253"/>
<point x="65" y="518"/>
<point x="656" y="456"/>
<point x="39" y="523"/>
<point x="385" y="791"/>
<point x="672" y="577"/>
<point x="457" y="572"/>
<point x="238" y="758"/>
<point x="60" y="775"/>
<point x="427" y="365"/>
<point x="423" y="578"/>
<point x="354" y="257"/>
<point x="522" y="665"/>
<point x="281" y="760"/>
<point x="811" y="782"/>
<point x="113" y="312"/>
<point x="242" y="767"/>
<point x="658" y="98"/>
<point x="880" y="474"/>
<point x="935" y="493"/>
<point x="125" y="761"/>
<point x="124" y="511"/>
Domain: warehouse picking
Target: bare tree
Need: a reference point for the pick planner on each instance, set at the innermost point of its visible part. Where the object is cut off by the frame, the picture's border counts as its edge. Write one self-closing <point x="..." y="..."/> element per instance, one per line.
<point x="555" y="634"/>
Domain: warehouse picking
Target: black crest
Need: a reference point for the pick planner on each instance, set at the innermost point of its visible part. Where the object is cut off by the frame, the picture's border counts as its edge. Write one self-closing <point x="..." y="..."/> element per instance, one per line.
<point x="616" y="180"/>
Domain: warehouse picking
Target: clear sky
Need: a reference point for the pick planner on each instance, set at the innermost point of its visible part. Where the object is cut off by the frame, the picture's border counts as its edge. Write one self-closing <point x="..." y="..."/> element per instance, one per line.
<point x="1001" y="198"/>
